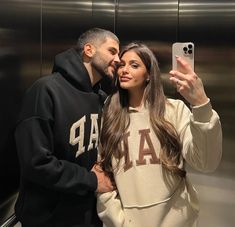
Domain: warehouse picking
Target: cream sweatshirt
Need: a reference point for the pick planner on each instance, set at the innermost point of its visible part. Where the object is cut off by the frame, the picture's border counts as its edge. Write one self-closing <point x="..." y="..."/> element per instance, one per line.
<point x="147" y="194"/>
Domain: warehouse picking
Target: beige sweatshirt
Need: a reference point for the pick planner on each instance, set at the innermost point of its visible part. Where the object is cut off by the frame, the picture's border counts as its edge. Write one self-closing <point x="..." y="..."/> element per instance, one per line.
<point x="149" y="195"/>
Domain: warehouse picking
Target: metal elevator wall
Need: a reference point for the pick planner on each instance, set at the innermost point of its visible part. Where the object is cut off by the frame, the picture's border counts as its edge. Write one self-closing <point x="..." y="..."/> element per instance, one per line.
<point x="33" y="31"/>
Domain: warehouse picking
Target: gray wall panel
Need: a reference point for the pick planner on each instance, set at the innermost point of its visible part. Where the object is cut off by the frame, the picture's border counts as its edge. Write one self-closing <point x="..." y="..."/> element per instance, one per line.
<point x="211" y="26"/>
<point x="62" y="22"/>
<point x="19" y="67"/>
<point x="154" y="20"/>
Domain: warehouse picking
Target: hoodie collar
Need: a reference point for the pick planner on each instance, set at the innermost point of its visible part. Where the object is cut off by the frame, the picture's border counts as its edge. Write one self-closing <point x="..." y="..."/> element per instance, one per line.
<point x="70" y="65"/>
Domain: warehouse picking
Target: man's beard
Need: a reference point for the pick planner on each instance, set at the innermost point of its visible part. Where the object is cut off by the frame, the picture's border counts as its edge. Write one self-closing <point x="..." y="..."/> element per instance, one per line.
<point x="101" y="67"/>
<point x="107" y="82"/>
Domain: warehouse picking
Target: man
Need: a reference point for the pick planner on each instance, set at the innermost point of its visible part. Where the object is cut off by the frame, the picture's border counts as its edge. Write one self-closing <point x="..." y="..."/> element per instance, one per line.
<point x="57" y="137"/>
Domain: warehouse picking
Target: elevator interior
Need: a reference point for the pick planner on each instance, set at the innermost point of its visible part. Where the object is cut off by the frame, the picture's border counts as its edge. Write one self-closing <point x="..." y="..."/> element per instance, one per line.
<point x="33" y="31"/>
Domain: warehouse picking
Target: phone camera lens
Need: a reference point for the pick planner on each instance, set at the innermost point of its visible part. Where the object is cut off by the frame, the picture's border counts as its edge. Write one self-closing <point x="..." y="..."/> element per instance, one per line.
<point x="185" y="50"/>
<point x="190" y="46"/>
<point x="190" y="51"/>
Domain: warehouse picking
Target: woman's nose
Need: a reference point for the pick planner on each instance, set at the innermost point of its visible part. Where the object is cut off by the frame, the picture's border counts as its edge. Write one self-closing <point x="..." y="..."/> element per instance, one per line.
<point x="125" y="69"/>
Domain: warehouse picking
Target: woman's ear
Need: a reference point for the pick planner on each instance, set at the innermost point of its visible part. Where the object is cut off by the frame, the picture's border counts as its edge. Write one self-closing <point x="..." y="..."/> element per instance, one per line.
<point x="147" y="78"/>
<point x="89" y="50"/>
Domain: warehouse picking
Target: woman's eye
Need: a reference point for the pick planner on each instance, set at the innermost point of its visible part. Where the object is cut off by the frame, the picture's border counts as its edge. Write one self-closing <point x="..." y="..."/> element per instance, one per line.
<point x="135" y="66"/>
<point x="121" y="65"/>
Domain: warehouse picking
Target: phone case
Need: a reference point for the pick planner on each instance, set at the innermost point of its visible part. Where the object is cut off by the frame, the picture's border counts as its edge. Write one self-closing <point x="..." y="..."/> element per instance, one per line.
<point x="184" y="50"/>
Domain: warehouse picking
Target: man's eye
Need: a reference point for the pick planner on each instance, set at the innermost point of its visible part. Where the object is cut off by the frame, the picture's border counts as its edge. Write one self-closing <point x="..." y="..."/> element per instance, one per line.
<point x="113" y="52"/>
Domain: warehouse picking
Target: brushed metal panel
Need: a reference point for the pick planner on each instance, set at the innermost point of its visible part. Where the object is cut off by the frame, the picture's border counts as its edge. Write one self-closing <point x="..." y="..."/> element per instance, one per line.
<point x="62" y="22"/>
<point x="20" y="14"/>
<point x="210" y="19"/>
<point x="103" y="14"/>
<point x="147" y="19"/>
<point x="64" y="14"/>
<point x="19" y="67"/>
<point x="211" y="26"/>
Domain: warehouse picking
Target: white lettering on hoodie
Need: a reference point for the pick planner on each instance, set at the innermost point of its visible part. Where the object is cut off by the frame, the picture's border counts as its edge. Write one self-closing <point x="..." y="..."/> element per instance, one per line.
<point x="79" y="139"/>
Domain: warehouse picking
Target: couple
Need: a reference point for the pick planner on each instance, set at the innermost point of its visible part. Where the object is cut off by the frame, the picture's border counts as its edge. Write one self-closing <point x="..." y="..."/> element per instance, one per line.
<point x="145" y="140"/>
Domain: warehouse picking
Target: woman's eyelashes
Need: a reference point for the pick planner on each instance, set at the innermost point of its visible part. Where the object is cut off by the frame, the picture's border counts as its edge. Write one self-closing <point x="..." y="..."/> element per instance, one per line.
<point x="134" y="65"/>
<point x="121" y="64"/>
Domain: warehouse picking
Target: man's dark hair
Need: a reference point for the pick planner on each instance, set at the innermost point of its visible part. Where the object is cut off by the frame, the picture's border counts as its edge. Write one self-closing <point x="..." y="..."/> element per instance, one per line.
<point x="95" y="36"/>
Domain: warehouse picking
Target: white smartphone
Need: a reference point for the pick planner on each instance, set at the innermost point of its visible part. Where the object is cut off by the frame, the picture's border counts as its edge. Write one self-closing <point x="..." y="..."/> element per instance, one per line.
<point x="184" y="50"/>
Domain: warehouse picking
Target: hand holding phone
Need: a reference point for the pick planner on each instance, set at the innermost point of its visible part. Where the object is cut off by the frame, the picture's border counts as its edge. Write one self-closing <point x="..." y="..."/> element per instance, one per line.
<point x="184" y="50"/>
<point x="188" y="84"/>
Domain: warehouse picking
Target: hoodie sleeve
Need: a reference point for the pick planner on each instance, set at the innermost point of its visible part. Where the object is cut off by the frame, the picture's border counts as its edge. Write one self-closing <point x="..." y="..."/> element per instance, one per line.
<point x="201" y="135"/>
<point x="38" y="164"/>
<point x="35" y="146"/>
<point x="109" y="209"/>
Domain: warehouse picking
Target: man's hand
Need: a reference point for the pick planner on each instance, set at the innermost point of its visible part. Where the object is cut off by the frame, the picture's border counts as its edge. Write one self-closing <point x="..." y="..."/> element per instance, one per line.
<point x="104" y="182"/>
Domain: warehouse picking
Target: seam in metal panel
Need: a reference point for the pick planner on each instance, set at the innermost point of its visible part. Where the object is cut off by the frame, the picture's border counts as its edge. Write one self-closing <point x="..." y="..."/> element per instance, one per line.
<point x="40" y="71"/>
<point x="178" y="21"/>
<point x="116" y="4"/>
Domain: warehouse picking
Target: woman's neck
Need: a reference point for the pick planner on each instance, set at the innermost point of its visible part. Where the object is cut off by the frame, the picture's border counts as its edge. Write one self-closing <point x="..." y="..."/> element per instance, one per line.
<point x="136" y="98"/>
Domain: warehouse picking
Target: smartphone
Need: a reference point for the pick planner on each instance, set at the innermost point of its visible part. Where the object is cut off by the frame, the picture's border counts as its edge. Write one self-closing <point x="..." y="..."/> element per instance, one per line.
<point x="184" y="50"/>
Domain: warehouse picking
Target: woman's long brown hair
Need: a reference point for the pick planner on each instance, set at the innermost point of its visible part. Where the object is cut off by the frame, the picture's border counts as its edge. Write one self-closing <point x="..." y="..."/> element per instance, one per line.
<point x="116" y="117"/>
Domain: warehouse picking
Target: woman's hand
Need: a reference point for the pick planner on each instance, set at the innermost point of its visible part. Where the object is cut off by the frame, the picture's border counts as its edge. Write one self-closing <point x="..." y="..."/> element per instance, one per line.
<point x="188" y="84"/>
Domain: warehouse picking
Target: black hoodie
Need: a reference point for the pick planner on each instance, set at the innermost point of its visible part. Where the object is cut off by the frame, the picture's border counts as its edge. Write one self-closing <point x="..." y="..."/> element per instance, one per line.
<point x="57" y="138"/>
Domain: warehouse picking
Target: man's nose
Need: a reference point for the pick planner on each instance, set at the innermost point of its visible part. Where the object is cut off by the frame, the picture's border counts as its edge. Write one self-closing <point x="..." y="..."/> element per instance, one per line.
<point x="117" y="59"/>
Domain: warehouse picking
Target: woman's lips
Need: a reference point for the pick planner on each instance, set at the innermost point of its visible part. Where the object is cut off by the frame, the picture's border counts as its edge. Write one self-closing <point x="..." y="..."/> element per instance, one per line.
<point x="124" y="79"/>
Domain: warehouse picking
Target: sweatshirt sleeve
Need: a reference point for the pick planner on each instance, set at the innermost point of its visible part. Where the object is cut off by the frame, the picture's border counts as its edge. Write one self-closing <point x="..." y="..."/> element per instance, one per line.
<point x="201" y="135"/>
<point x="109" y="209"/>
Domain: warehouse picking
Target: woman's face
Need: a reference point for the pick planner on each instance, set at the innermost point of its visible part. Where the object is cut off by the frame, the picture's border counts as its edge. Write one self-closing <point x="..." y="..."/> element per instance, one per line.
<point x="132" y="73"/>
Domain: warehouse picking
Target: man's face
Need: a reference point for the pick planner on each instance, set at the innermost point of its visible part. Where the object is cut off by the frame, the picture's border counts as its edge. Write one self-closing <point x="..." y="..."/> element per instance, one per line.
<point x="106" y="58"/>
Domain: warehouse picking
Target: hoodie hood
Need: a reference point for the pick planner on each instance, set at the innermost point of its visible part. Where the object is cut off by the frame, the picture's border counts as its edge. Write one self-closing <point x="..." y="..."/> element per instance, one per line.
<point x="70" y="66"/>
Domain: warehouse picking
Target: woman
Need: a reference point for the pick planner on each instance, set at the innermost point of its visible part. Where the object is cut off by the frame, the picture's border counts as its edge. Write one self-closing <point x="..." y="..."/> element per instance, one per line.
<point x="147" y="139"/>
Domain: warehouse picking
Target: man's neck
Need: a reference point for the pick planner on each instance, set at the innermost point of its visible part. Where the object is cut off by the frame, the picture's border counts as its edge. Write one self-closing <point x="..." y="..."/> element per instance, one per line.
<point x="93" y="74"/>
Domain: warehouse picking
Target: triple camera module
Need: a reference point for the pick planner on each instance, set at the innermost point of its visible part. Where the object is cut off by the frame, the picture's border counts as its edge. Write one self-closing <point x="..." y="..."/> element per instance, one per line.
<point x="188" y="49"/>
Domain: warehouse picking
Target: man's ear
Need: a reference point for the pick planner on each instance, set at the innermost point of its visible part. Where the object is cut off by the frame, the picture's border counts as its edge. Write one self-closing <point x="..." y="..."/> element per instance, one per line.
<point x="89" y="50"/>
